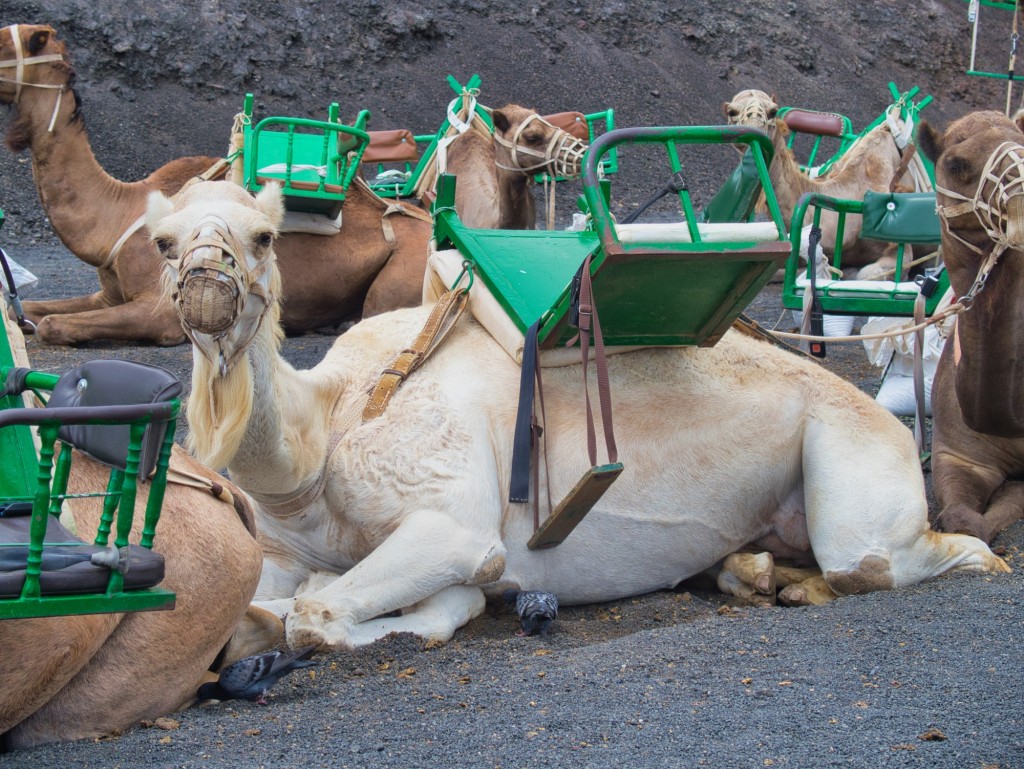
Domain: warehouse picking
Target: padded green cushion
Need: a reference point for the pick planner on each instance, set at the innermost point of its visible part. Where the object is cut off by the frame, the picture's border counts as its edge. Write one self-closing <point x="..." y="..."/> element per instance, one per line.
<point x="901" y="217"/>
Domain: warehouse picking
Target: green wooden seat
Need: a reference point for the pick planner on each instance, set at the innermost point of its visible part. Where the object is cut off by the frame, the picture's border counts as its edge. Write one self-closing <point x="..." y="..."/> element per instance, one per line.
<point x="900" y="218"/>
<point x="314" y="160"/>
<point x="45" y="570"/>
<point x="658" y="284"/>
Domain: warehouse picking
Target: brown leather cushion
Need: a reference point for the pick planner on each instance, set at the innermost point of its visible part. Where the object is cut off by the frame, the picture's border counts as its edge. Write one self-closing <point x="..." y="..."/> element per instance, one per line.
<point x="67" y="569"/>
<point x="819" y="123"/>
<point x="395" y="146"/>
<point x="333" y="189"/>
<point x="574" y="123"/>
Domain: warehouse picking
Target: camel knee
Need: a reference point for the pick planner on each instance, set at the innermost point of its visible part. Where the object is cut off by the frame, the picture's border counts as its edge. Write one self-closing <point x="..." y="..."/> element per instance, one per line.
<point x="872" y="573"/>
<point x="491" y="567"/>
<point x="257" y="631"/>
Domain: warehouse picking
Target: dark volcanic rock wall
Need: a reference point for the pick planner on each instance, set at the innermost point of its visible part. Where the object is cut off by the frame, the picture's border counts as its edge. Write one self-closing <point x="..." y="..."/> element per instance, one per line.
<point x="163" y="80"/>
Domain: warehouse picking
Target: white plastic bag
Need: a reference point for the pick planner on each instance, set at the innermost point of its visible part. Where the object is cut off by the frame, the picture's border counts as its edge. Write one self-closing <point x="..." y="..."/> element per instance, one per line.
<point x="24" y="280"/>
<point x="897" y="391"/>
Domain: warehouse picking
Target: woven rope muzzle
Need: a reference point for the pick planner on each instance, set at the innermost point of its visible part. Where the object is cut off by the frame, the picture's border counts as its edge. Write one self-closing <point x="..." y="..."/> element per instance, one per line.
<point x="211" y="288"/>
<point x="563" y="154"/>
<point x="996" y="188"/>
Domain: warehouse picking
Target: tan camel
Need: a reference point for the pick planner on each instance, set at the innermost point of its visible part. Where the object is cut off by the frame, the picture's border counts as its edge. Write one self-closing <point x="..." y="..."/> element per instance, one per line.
<point x="405" y="508"/>
<point x="978" y="423"/>
<point x="869" y="164"/>
<point x="495" y="172"/>
<point x="68" y="678"/>
<point x="375" y="263"/>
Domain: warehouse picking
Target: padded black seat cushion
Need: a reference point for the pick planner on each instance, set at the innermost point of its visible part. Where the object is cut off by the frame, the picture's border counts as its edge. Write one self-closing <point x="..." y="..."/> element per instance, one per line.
<point x="66" y="569"/>
<point x="114" y="383"/>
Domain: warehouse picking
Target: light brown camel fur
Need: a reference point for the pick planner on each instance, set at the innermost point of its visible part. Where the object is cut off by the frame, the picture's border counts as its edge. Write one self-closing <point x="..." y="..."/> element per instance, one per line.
<point x="368" y="511"/>
<point x="327" y="279"/>
<point x="977" y="404"/>
<point x="495" y="172"/>
<point x="68" y="678"/>
<point x="869" y="164"/>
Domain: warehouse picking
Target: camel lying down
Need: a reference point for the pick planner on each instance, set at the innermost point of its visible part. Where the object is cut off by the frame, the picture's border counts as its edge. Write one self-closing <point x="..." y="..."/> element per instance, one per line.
<point x="740" y="444"/>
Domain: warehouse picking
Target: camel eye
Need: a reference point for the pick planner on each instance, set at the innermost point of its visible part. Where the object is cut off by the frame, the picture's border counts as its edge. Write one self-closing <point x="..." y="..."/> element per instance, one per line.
<point x="264" y="239"/>
<point x="733" y="113"/>
<point x="166" y="247"/>
<point x="959" y="168"/>
<point x="772" y="113"/>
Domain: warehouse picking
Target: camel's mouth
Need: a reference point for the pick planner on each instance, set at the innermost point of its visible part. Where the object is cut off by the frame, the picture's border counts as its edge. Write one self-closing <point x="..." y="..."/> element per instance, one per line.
<point x="208" y="300"/>
<point x="212" y="285"/>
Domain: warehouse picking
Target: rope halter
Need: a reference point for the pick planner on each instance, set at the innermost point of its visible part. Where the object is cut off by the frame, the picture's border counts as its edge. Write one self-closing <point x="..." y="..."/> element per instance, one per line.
<point x="564" y="153"/>
<point x="990" y="205"/>
<point x="752" y="109"/>
<point x="19" y="63"/>
<point x="214" y="280"/>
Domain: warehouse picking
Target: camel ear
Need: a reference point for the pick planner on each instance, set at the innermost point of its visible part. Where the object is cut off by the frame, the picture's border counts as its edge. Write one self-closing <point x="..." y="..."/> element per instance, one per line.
<point x="158" y="206"/>
<point x="38" y="41"/>
<point x="270" y="202"/>
<point x="929" y="140"/>
<point x="500" y="120"/>
<point x="725" y="108"/>
<point x="1018" y="119"/>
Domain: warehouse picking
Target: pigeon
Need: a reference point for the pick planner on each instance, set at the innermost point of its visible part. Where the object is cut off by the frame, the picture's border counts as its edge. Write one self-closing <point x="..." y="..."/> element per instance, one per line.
<point x="536" y="610"/>
<point x="252" y="677"/>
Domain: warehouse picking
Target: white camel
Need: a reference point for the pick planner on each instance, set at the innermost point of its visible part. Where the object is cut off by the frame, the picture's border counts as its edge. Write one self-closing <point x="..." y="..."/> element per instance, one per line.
<point x="724" y="447"/>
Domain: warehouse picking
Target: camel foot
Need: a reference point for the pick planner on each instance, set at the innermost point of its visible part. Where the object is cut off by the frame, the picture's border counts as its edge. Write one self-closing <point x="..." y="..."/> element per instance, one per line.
<point x="749" y="577"/>
<point x="961" y="520"/>
<point x="811" y="592"/>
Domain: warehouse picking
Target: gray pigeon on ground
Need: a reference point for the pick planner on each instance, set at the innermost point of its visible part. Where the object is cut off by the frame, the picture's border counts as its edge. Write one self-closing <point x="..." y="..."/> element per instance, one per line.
<point x="536" y="610"/>
<point x="252" y="677"/>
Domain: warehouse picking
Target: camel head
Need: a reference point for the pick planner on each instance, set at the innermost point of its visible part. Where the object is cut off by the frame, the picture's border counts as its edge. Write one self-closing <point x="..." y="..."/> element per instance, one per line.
<point x="752" y="108"/>
<point x="979" y="184"/>
<point x="32" y="58"/>
<point x="218" y="242"/>
<point x="531" y="144"/>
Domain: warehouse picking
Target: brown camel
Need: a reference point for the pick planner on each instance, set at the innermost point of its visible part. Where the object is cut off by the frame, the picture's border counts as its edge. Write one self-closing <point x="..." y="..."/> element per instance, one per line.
<point x="376" y="263"/>
<point x="67" y="678"/>
<point x="869" y="164"/>
<point x="978" y="418"/>
<point x="494" y="172"/>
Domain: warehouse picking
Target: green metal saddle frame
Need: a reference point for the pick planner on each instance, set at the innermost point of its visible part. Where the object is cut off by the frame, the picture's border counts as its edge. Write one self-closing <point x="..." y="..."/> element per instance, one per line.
<point x="900" y="218"/>
<point x="315" y="161"/>
<point x="678" y="284"/>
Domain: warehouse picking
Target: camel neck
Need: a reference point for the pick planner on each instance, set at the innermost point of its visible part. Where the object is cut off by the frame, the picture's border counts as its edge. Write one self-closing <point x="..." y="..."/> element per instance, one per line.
<point x="75" y="190"/>
<point x="515" y="203"/>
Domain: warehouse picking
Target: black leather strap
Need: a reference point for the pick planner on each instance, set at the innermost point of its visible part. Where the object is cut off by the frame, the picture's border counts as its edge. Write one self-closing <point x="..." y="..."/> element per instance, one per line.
<point x="519" y="483"/>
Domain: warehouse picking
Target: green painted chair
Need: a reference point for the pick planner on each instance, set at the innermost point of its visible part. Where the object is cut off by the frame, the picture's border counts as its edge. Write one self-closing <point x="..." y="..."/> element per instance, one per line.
<point x="903" y="219"/>
<point x="315" y="161"/>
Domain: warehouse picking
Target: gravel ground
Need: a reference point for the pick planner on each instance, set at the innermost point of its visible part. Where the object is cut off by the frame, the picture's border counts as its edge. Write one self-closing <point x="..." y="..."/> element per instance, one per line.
<point x="672" y="679"/>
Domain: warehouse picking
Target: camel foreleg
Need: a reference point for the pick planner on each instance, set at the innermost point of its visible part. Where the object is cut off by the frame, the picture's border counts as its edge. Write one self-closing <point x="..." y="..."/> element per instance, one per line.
<point x="974" y="498"/>
<point x="145" y="319"/>
<point x="429" y="567"/>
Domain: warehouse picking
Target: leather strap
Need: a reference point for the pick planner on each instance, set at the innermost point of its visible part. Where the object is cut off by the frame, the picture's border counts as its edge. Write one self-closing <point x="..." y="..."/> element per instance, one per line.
<point x="446" y="312"/>
<point x="519" y="482"/>
<point x="588" y="314"/>
<point x="904" y="166"/>
<point x="919" y="394"/>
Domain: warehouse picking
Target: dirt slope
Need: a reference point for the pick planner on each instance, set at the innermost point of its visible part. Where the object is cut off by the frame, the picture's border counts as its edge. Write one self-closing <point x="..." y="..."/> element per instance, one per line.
<point x="163" y="80"/>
